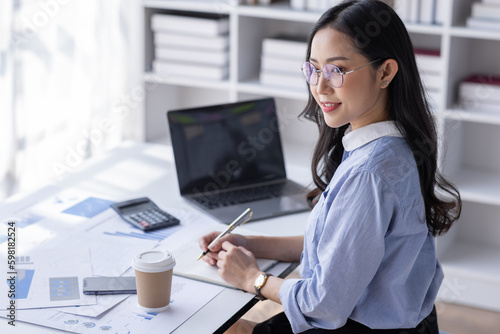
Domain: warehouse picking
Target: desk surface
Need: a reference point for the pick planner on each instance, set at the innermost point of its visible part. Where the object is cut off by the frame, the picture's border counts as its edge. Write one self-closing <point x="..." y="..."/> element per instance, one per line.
<point x="138" y="169"/>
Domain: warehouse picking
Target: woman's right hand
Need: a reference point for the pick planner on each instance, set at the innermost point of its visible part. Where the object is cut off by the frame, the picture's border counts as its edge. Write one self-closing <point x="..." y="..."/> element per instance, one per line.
<point x="212" y="256"/>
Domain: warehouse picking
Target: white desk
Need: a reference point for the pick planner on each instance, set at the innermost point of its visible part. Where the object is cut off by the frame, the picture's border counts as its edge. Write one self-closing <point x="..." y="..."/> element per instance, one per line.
<point x="135" y="170"/>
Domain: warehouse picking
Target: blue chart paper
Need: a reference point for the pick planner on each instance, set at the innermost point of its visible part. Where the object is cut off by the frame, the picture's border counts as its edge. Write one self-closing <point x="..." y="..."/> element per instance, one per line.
<point x="146" y="315"/>
<point x="88" y="324"/>
<point x="89" y="207"/>
<point x="23" y="283"/>
<point x="64" y="288"/>
<point x="27" y="220"/>
<point x="127" y="317"/>
<point x="49" y="278"/>
<point x="134" y="232"/>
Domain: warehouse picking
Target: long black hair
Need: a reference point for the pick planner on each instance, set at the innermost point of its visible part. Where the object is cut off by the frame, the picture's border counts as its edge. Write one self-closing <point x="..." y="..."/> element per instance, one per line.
<point x="378" y="33"/>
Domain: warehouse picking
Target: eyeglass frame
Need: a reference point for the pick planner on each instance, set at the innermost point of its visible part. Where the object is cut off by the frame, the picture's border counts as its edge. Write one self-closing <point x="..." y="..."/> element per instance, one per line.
<point x="341" y="73"/>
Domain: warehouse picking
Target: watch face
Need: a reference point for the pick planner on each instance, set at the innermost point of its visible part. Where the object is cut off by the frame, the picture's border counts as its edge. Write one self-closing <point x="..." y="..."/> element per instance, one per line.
<point x="259" y="281"/>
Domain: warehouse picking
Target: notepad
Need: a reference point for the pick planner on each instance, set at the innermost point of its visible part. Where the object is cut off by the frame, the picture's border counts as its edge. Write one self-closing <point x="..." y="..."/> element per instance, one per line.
<point x="187" y="265"/>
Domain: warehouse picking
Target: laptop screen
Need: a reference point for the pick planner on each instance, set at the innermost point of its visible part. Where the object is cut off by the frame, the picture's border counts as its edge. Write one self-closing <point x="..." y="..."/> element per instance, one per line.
<point x="223" y="146"/>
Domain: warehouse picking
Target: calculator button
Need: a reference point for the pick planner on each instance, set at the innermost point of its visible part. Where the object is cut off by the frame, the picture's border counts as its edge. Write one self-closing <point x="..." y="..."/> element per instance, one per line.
<point x="144" y="223"/>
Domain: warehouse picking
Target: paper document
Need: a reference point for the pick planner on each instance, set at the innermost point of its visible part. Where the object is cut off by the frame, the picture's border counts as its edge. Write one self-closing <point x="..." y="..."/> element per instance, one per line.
<point x="104" y="303"/>
<point x="188" y="296"/>
<point x="49" y="278"/>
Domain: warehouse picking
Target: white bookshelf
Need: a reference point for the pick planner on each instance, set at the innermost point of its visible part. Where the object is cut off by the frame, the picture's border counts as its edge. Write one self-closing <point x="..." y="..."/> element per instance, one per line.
<point x="469" y="146"/>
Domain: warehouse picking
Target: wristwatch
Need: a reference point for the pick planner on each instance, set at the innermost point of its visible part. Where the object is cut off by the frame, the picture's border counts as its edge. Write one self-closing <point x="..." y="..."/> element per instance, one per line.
<point x="260" y="281"/>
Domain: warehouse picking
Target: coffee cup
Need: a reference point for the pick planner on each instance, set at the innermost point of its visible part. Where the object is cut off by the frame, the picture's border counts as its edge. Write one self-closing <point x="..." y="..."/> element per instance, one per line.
<point x="153" y="277"/>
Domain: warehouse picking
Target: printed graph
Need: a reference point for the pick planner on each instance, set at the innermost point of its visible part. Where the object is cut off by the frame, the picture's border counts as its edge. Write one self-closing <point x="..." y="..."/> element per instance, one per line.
<point x="23" y="283"/>
<point x="64" y="288"/>
<point x="20" y="260"/>
<point x="146" y="315"/>
<point x="27" y="220"/>
<point x="153" y="235"/>
<point x="89" y="207"/>
<point x="88" y="324"/>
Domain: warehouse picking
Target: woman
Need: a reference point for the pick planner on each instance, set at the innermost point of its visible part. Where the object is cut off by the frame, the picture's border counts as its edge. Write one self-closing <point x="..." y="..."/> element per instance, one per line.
<point x="368" y="260"/>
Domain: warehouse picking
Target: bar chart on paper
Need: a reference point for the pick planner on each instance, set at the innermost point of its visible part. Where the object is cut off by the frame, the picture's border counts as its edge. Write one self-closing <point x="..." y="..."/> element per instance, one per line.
<point x="132" y="232"/>
<point x="63" y="288"/>
<point x="188" y="297"/>
<point x="49" y="278"/>
<point x="23" y="283"/>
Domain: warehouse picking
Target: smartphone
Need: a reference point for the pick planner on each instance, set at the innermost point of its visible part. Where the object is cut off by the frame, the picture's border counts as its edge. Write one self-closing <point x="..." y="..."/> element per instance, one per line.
<point x="109" y="285"/>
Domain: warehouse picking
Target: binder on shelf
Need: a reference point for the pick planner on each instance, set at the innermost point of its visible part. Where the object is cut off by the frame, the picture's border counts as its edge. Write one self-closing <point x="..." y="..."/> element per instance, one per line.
<point x="481" y="89"/>
<point x="403" y="8"/>
<point x="282" y="57"/>
<point x="427" y="11"/>
<point x="414" y="11"/>
<point x="475" y="105"/>
<point x="321" y="5"/>
<point x="428" y="61"/>
<point x="430" y="67"/>
<point x="434" y="98"/>
<point x="298" y="4"/>
<point x="432" y="81"/>
<point x="192" y="56"/>
<point x="215" y="43"/>
<point x="282" y="79"/>
<point x="441" y="11"/>
<point x="421" y="11"/>
<point x="485" y="11"/>
<point x="286" y="46"/>
<point x="191" y="70"/>
<point x="473" y="22"/>
<point x="200" y="24"/>
<point x="313" y="4"/>
<point x="277" y="64"/>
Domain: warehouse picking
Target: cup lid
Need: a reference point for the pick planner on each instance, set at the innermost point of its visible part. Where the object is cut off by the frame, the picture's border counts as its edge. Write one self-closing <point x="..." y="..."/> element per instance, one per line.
<point x="153" y="261"/>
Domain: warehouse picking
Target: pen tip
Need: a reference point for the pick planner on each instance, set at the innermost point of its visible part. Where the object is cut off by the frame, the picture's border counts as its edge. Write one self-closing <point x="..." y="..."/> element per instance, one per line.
<point x="199" y="257"/>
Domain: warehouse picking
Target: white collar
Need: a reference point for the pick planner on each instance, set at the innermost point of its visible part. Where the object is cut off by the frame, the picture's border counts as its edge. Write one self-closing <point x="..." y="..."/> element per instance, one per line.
<point x="356" y="138"/>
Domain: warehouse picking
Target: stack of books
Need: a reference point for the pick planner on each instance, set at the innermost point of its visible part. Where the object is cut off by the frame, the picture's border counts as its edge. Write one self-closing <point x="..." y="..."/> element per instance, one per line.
<point x="430" y="67"/>
<point x="313" y="5"/>
<point x="480" y="92"/>
<point x="421" y="11"/>
<point x="282" y="58"/>
<point x="485" y="15"/>
<point x="191" y="45"/>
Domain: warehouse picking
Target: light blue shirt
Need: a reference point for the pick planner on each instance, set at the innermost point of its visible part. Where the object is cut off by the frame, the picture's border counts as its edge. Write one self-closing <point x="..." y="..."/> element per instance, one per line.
<point x="368" y="254"/>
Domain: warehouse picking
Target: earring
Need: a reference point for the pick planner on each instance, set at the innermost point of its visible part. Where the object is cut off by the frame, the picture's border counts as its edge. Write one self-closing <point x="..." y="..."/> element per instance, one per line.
<point x="386" y="83"/>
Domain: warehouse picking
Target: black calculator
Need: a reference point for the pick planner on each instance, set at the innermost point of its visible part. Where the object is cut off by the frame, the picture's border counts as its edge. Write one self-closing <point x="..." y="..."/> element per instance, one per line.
<point x="144" y="214"/>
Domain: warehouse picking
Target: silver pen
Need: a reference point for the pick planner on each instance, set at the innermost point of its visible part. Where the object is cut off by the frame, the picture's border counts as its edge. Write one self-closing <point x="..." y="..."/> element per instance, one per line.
<point x="237" y="222"/>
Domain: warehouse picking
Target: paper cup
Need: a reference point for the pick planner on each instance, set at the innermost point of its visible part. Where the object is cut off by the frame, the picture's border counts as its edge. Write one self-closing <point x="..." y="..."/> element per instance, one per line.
<point x="153" y="279"/>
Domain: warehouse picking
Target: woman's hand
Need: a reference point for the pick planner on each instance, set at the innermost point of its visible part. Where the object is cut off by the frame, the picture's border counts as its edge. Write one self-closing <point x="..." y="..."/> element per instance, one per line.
<point x="238" y="266"/>
<point x="212" y="256"/>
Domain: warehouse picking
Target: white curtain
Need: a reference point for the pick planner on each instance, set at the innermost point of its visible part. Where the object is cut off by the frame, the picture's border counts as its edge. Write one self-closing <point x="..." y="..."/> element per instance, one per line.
<point x="73" y="72"/>
<point x="6" y="93"/>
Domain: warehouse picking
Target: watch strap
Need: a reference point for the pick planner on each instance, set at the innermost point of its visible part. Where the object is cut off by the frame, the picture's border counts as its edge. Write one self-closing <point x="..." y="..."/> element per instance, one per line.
<point x="258" y="295"/>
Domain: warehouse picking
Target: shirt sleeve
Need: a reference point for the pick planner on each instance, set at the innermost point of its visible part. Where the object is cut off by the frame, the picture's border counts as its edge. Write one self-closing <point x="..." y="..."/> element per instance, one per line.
<point x="348" y="247"/>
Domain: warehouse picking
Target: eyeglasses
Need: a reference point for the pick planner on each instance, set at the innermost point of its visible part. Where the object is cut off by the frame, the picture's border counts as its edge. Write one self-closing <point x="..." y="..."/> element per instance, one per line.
<point x="331" y="72"/>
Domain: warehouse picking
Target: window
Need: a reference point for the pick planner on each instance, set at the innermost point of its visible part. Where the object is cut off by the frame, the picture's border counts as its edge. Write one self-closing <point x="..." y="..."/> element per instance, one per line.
<point x="67" y="75"/>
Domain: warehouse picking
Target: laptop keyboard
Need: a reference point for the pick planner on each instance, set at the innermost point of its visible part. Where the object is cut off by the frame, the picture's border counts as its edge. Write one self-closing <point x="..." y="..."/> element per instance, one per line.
<point x="240" y="196"/>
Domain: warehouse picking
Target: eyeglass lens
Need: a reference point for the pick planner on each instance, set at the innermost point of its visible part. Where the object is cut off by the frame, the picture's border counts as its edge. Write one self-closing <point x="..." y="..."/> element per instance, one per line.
<point x="331" y="72"/>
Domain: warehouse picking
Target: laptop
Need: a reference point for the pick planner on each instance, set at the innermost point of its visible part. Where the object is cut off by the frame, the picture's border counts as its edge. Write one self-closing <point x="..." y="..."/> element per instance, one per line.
<point x="229" y="158"/>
